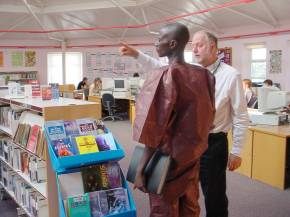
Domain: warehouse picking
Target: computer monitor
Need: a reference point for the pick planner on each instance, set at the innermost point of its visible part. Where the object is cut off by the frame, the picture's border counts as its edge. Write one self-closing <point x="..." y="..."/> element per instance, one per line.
<point x="270" y="100"/>
<point x="107" y="84"/>
<point x="120" y="84"/>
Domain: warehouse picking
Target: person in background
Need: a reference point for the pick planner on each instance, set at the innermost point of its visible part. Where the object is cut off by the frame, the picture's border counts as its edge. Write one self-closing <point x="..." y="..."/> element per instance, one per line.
<point x="83" y="84"/>
<point x="250" y="95"/>
<point x="166" y="117"/>
<point x="231" y="113"/>
<point x="136" y="75"/>
<point x="269" y="84"/>
<point x="96" y="87"/>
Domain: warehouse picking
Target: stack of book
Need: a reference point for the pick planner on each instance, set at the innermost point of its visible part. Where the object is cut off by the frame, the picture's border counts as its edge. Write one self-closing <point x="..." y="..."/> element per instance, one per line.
<point x="32" y="201"/>
<point x="32" y="138"/>
<point x="95" y="191"/>
<point x="82" y="136"/>
<point x="29" y="165"/>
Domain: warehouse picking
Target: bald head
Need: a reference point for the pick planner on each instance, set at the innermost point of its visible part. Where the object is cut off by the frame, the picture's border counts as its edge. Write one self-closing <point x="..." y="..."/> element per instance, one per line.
<point x="172" y="40"/>
<point x="178" y="32"/>
<point x="204" y="46"/>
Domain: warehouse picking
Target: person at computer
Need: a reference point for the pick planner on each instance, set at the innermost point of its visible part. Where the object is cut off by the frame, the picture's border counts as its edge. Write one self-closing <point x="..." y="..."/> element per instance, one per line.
<point x="269" y="84"/>
<point x="175" y="122"/>
<point x="83" y="84"/>
<point x="96" y="87"/>
<point x="250" y="95"/>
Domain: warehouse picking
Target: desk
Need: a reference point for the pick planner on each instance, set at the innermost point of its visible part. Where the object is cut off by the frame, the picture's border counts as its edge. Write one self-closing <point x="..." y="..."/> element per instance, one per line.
<point x="130" y="100"/>
<point x="266" y="156"/>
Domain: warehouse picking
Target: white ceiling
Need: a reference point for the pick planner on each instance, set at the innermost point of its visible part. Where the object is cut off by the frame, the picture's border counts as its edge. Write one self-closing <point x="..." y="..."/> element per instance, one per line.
<point x="67" y="14"/>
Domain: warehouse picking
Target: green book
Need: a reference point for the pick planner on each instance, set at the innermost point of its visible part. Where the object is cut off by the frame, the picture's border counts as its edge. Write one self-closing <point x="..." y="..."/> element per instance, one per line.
<point x="79" y="206"/>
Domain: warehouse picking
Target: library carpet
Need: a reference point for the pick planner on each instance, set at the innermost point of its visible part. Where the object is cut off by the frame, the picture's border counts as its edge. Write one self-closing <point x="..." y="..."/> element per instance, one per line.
<point x="247" y="197"/>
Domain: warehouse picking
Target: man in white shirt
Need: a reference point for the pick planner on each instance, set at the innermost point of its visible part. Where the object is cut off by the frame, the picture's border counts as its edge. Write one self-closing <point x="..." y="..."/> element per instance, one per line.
<point x="231" y="112"/>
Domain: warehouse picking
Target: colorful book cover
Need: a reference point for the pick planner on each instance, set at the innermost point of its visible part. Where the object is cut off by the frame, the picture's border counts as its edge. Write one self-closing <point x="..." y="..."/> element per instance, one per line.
<point x="102" y="144"/>
<point x="95" y="178"/>
<point x="95" y="204"/>
<point x="71" y="128"/>
<point x="55" y="130"/>
<point x="104" y="202"/>
<point x="114" y="175"/>
<point x="86" y="126"/>
<point x="33" y="137"/>
<point x="117" y="200"/>
<point x="64" y="147"/>
<point x="109" y="140"/>
<point x="103" y="174"/>
<point x="79" y="206"/>
<point x="86" y="144"/>
<point x="91" y="178"/>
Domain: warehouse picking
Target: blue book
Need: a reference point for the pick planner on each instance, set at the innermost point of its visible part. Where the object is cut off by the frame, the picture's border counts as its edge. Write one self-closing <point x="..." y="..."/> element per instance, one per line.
<point x="110" y="141"/>
<point x="71" y="128"/>
<point x="64" y="147"/>
<point x="55" y="130"/>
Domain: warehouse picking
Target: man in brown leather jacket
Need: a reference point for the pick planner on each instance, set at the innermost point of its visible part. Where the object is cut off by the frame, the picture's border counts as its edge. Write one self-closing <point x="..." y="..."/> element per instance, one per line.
<point x="174" y="113"/>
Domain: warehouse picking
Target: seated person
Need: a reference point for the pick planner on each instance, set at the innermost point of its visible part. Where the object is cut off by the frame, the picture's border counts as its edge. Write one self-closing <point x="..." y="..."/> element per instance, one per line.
<point x="136" y="75"/>
<point x="251" y="97"/>
<point x="269" y="84"/>
<point x="96" y="87"/>
<point x="83" y="84"/>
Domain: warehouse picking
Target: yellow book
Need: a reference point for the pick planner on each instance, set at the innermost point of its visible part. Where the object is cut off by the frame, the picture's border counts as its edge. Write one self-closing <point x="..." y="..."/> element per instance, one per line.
<point x="87" y="144"/>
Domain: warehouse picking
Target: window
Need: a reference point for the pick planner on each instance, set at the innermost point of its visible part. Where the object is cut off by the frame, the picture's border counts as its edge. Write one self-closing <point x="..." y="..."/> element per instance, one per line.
<point x="258" y="64"/>
<point x="54" y="68"/>
<point x="73" y="68"/>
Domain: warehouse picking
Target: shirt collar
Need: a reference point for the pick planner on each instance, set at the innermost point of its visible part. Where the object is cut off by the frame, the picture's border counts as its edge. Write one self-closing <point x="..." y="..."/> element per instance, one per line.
<point x="213" y="67"/>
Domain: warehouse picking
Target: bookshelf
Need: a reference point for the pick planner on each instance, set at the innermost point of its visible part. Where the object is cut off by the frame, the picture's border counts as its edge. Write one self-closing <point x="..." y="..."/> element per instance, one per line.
<point x="11" y="194"/>
<point x="63" y="108"/>
<point x="22" y="77"/>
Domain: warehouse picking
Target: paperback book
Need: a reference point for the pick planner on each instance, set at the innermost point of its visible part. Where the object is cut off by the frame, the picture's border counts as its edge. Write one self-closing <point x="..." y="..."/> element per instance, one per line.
<point x="64" y="147"/>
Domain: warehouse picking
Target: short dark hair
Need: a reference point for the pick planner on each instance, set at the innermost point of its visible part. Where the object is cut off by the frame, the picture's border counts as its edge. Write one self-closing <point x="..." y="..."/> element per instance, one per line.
<point x="136" y="74"/>
<point x="269" y="82"/>
<point x="85" y="78"/>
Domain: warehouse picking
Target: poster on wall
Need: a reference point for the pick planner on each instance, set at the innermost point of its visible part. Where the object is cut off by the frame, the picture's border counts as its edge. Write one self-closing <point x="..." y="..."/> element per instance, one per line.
<point x="225" y="55"/>
<point x="275" y="61"/>
<point x="17" y="58"/>
<point x="109" y="63"/>
<point x="30" y="58"/>
<point x="1" y="59"/>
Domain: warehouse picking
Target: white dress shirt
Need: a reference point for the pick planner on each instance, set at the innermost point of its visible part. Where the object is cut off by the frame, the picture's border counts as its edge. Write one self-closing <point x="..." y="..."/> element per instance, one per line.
<point x="230" y="102"/>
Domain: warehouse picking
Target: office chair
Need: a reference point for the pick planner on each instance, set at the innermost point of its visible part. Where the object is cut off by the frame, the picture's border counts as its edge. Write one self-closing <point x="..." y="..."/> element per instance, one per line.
<point x="108" y="102"/>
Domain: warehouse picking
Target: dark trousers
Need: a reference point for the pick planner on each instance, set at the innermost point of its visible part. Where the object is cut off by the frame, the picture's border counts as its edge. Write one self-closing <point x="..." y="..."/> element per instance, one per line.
<point x="213" y="164"/>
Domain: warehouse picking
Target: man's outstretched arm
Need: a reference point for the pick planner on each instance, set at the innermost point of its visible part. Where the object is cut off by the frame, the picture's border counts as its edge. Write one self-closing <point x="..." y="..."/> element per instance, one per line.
<point x="148" y="63"/>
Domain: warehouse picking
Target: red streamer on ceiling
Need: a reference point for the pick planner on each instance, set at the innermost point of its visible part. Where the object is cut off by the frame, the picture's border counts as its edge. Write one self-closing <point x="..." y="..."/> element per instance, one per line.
<point x="165" y="20"/>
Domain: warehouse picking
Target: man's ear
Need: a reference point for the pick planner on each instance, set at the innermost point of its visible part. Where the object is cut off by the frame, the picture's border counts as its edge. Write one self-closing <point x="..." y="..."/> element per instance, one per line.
<point x="173" y="44"/>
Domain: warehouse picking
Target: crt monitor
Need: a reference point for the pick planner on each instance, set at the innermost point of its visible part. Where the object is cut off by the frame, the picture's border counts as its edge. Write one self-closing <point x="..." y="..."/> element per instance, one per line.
<point x="107" y="84"/>
<point x="270" y="100"/>
<point x="120" y="84"/>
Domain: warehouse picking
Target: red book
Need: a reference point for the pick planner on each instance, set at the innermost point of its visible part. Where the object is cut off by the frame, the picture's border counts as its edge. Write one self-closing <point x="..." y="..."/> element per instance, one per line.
<point x="32" y="140"/>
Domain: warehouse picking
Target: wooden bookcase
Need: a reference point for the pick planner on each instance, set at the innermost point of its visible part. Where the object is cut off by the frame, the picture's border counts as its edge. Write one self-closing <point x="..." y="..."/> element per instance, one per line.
<point x="62" y="109"/>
